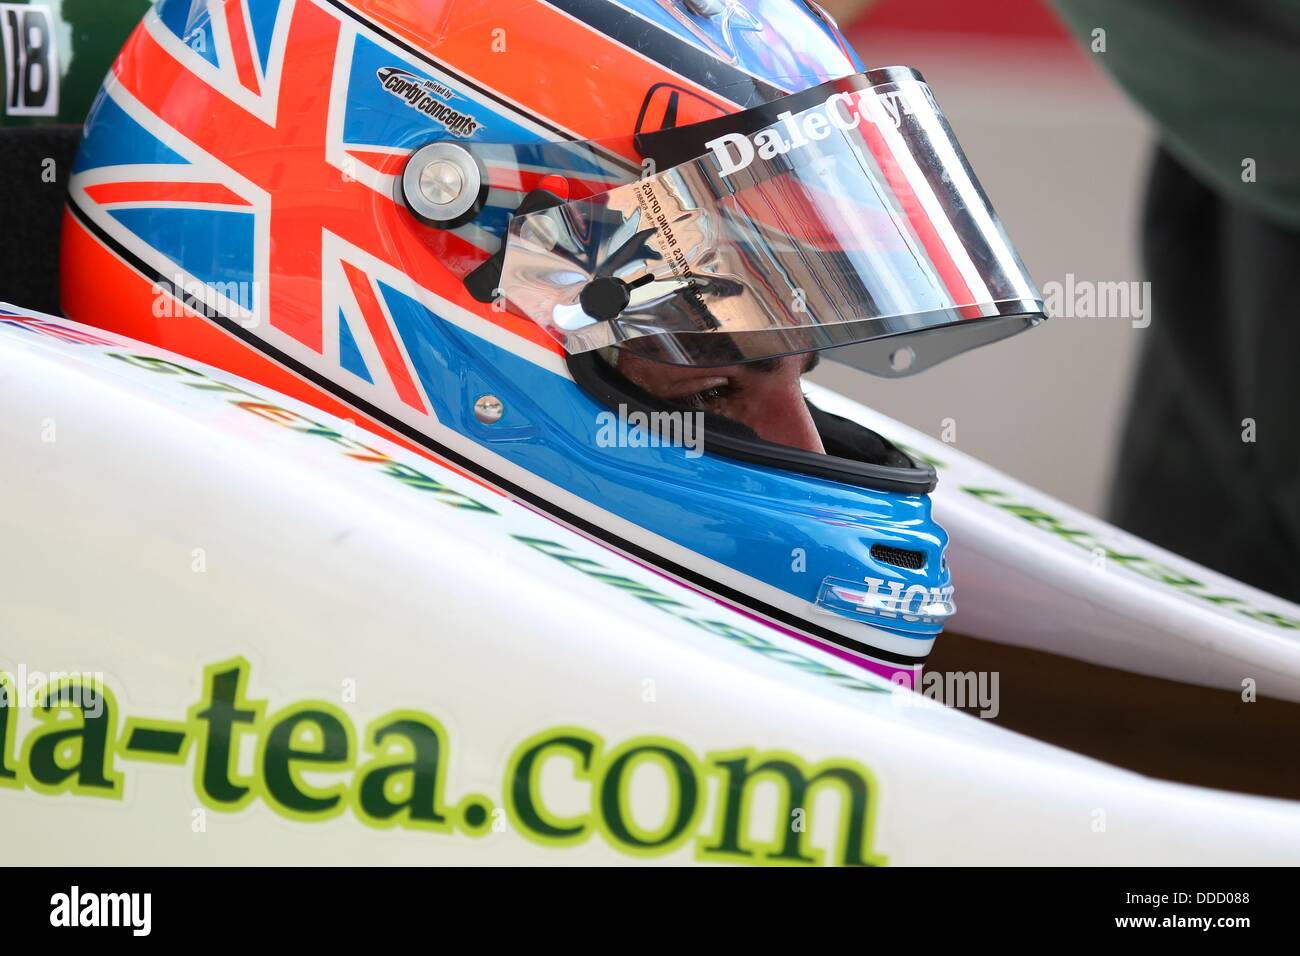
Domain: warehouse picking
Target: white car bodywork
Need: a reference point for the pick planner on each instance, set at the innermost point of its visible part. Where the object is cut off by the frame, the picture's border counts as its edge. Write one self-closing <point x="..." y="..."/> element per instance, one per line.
<point x="163" y="523"/>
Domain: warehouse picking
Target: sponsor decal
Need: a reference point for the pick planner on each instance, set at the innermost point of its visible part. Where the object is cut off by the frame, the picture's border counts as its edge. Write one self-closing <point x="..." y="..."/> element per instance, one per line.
<point x="669" y="605"/>
<point x="1140" y="564"/>
<point x="843" y="111"/>
<point x="287" y="418"/>
<point x="672" y="251"/>
<point x="312" y="763"/>
<point x="429" y="98"/>
<point x="21" y="688"/>
<point x="929" y="604"/>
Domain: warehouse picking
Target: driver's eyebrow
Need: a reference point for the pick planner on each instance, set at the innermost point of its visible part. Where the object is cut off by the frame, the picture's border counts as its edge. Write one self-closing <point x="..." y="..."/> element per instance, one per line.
<point x="772" y="364"/>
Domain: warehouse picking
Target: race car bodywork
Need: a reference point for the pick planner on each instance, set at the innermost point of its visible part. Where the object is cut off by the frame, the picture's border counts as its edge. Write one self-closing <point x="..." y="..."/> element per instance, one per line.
<point x="238" y="629"/>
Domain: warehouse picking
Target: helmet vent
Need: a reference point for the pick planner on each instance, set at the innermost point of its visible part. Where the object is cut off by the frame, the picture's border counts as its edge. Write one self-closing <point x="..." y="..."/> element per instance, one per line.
<point x="898" y="557"/>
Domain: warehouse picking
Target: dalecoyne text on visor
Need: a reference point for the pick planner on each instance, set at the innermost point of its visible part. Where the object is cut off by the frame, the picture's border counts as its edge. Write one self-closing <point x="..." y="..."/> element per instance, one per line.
<point x="842" y="111"/>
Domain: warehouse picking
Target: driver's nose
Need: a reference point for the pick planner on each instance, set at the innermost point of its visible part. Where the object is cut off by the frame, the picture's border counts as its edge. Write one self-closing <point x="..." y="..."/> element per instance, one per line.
<point x="774" y="405"/>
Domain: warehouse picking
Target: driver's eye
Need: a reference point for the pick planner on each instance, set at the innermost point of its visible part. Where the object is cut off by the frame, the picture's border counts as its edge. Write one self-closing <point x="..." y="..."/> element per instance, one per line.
<point x="710" y="396"/>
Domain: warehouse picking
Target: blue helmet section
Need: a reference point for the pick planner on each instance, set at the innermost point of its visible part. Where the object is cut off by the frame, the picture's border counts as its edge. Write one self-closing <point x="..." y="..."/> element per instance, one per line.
<point x="787" y="530"/>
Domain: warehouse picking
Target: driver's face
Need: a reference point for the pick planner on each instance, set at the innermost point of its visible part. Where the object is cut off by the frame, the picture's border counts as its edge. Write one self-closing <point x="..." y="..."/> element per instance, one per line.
<point x="767" y="396"/>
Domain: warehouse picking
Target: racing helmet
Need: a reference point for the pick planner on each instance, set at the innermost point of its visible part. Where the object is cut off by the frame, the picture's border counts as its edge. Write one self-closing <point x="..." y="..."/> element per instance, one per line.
<point x="461" y="222"/>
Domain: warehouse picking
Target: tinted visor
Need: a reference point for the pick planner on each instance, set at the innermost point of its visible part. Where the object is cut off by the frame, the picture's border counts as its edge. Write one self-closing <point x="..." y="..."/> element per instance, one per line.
<point x="845" y="215"/>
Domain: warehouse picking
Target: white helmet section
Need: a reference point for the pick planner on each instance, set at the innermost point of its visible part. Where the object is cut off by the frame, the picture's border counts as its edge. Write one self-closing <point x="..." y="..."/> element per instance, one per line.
<point x="410" y="668"/>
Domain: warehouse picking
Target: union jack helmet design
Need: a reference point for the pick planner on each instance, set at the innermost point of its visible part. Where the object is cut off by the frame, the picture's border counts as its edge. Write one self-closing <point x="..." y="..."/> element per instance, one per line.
<point x="435" y="216"/>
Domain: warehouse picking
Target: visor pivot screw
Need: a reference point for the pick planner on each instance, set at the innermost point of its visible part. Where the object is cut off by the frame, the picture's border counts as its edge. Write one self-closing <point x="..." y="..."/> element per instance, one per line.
<point x="900" y="360"/>
<point x="441" y="182"/>
<point x="488" y="409"/>
<point x="605" y="297"/>
<point x="442" y="185"/>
